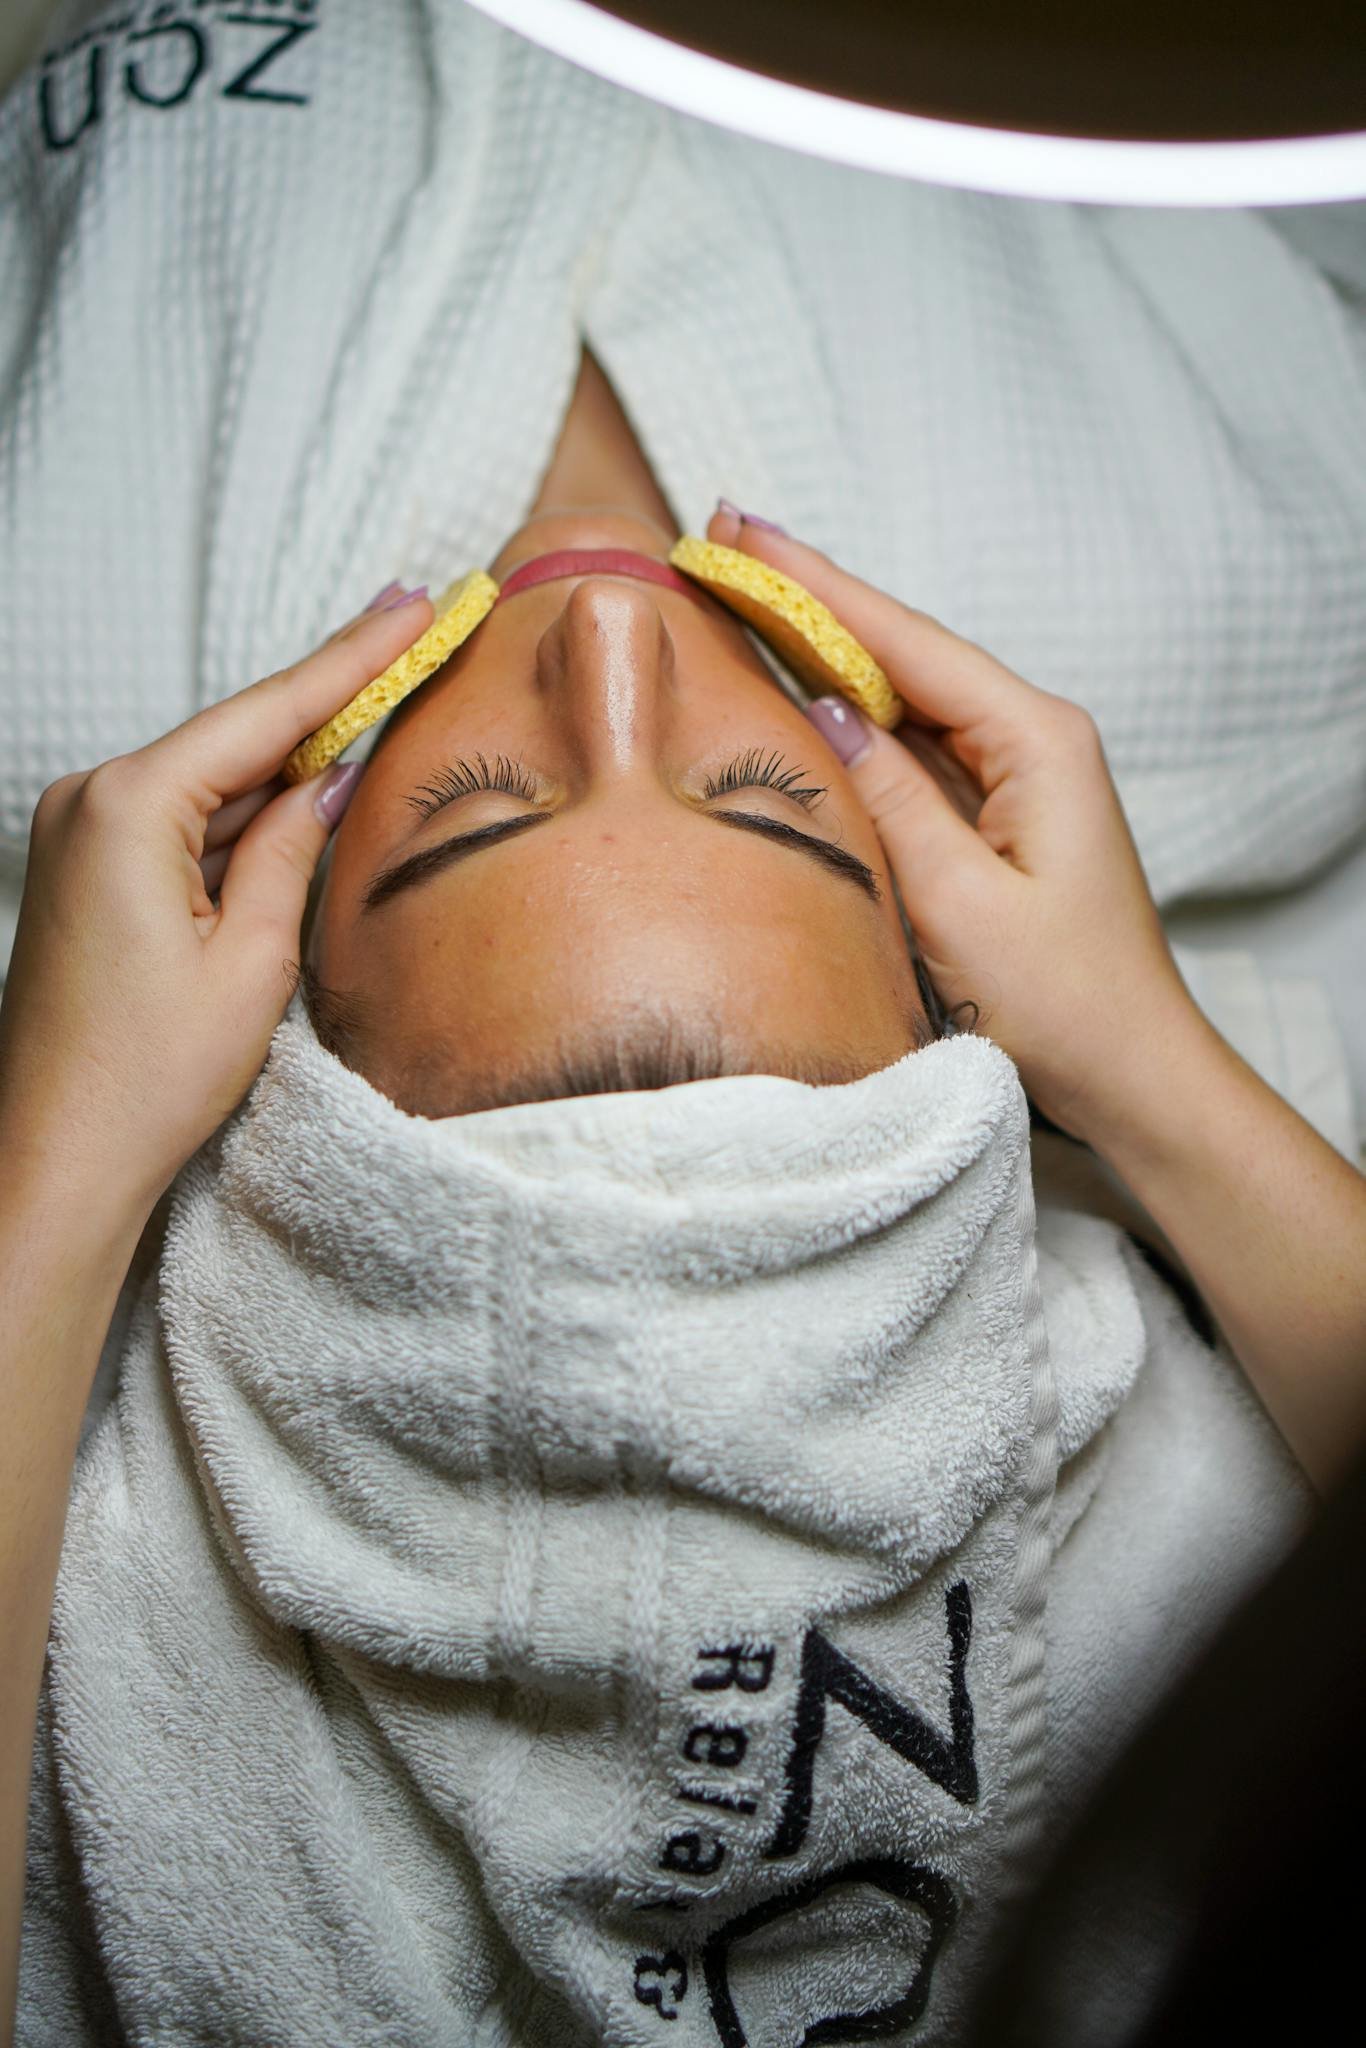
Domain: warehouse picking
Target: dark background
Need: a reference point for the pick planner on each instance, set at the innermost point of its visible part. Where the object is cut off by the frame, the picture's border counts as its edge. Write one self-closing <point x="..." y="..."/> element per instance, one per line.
<point x="1169" y="70"/>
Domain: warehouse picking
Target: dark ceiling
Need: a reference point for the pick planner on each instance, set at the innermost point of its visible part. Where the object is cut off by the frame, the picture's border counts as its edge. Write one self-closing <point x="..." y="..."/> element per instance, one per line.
<point x="1197" y="70"/>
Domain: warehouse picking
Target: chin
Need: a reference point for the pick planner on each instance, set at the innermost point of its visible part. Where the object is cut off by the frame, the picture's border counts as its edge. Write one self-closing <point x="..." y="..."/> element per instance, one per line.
<point x="590" y="525"/>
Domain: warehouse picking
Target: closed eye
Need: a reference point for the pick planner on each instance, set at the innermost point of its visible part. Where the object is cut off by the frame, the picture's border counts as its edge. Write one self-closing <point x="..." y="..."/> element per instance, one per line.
<point x="463" y="778"/>
<point x="747" y="771"/>
<point x="751" y="771"/>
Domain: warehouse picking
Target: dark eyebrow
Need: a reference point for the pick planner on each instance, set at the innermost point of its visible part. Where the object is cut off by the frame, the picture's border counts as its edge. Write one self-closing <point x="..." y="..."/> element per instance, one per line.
<point x="832" y="857"/>
<point x="432" y="859"/>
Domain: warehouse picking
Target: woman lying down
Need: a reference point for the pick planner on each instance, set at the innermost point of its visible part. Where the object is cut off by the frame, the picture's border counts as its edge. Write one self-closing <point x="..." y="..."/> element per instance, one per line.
<point x="621" y="1519"/>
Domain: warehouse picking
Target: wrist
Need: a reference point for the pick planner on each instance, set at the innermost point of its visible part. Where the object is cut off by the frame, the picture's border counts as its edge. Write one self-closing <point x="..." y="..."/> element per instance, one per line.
<point x="49" y="1182"/>
<point x="1267" y="1219"/>
<point x="1152" y="1102"/>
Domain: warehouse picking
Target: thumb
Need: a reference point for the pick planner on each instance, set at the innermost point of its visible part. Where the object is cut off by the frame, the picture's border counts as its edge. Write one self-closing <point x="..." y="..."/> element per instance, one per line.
<point x="927" y="839"/>
<point x="265" y="886"/>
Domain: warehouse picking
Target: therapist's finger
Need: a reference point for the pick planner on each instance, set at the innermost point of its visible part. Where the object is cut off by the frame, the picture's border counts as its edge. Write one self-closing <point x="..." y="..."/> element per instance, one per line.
<point x="213" y="867"/>
<point x="264" y="887"/>
<point x="240" y="743"/>
<point x="989" y="715"/>
<point x="927" y="827"/>
<point x="230" y="818"/>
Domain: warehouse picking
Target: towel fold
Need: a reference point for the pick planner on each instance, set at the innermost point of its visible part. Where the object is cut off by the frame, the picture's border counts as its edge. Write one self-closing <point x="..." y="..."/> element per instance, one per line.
<point x="562" y="1570"/>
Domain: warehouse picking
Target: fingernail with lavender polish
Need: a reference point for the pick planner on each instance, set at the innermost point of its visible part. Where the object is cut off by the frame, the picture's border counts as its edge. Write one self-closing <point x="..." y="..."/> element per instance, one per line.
<point x="335" y="789"/>
<point x="380" y="595"/>
<point x="845" y="728"/>
<point x="751" y="518"/>
<point x="404" y="597"/>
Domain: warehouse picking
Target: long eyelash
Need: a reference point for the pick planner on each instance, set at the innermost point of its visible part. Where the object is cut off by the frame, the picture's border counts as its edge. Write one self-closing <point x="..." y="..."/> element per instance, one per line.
<point x="747" y="771"/>
<point x="463" y="779"/>
<point x="751" y="771"/>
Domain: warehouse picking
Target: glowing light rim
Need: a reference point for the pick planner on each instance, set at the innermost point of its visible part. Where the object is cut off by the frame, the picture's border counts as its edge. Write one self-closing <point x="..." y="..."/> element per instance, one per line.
<point x="1293" y="171"/>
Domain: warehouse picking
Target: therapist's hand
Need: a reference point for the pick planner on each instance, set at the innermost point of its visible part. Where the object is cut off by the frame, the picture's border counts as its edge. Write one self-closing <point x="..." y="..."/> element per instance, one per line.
<point x="1001" y="823"/>
<point x="137" y="1014"/>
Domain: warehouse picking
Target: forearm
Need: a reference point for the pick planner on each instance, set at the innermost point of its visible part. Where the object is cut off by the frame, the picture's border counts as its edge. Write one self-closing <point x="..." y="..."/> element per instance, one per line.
<point x="64" y="1251"/>
<point x="1269" y="1220"/>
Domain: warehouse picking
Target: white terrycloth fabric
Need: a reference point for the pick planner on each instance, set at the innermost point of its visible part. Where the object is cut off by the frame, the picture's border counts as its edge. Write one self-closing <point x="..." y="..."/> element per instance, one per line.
<point x="556" y="1568"/>
<point x="268" y="340"/>
<point x="1285" y="1027"/>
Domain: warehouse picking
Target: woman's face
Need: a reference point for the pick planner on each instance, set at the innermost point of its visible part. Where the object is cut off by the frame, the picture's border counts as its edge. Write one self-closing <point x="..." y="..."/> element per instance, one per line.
<point x="620" y="894"/>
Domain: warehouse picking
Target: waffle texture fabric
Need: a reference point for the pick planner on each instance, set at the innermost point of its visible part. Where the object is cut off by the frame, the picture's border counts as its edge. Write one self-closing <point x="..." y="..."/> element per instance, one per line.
<point x="661" y="1557"/>
<point x="294" y="305"/>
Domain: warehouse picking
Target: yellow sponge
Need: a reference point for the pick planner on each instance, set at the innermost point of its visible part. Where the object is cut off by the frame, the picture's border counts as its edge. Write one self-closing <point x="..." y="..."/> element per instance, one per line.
<point x="459" y="609"/>
<point x="798" y="627"/>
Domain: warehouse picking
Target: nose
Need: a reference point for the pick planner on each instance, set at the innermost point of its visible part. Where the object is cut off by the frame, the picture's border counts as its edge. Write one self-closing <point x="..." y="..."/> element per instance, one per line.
<point x="608" y="671"/>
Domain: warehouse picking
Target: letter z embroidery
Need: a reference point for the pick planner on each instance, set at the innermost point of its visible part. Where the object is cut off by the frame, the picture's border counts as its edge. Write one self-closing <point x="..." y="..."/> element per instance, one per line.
<point x="827" y="1673"/>
<point x="240" y="87"/>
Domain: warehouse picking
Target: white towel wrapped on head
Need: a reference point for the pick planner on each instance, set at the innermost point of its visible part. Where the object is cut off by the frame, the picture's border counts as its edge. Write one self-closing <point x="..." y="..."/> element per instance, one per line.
<point x="581" y="1566"/>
